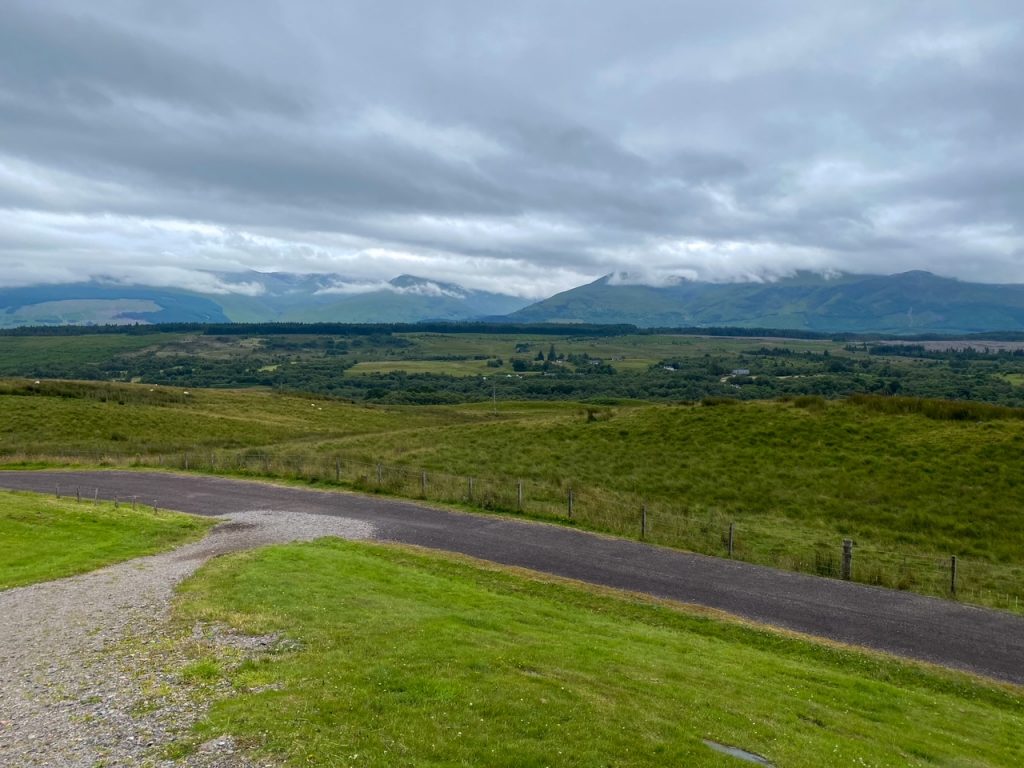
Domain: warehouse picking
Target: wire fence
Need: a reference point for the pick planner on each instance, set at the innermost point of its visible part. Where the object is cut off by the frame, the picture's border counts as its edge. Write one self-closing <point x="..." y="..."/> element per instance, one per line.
<point x="680" y="525"/>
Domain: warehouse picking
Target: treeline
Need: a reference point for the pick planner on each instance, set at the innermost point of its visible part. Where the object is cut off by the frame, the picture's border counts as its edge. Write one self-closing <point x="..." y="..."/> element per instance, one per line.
<point x="332" y="329"/>
<point x="965" y="353"/>
<point x="490" y="327"/>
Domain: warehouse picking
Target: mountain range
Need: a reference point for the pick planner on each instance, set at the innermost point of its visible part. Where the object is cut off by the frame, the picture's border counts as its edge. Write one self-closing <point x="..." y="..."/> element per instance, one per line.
<point x="252" y="297"/>
<point x="907" y="303"/>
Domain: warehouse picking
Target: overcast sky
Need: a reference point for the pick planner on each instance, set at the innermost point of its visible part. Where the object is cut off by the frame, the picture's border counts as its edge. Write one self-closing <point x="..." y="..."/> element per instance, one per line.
<point x="519" y="146"/>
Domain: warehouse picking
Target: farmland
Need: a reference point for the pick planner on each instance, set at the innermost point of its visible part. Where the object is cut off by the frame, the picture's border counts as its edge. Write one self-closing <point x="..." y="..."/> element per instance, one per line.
<point x="399" y="365"/>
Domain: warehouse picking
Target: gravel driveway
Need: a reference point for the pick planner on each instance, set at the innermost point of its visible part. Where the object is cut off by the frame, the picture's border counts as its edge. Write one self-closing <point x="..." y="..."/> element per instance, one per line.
<point x="89" y="675"/>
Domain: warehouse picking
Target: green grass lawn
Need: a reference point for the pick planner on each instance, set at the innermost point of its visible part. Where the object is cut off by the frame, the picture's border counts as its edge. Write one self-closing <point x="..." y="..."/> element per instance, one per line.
<point x="43" y="538"/>
<point x="406" y="658"/>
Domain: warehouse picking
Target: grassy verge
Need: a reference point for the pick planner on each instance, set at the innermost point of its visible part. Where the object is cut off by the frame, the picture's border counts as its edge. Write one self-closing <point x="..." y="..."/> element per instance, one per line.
<point x="406" y="658"/>
<point x="43" y="539"/>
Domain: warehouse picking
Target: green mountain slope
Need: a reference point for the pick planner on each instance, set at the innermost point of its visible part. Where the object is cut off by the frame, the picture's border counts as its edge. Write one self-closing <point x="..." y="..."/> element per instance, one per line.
<point x="252" y="297"/>
<point x="911" y="302"/>
<point x="100" y="304"/>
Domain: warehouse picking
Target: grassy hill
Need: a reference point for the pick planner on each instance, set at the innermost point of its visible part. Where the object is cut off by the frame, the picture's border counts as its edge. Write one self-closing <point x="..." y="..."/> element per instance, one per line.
<point x="911" y="487"/>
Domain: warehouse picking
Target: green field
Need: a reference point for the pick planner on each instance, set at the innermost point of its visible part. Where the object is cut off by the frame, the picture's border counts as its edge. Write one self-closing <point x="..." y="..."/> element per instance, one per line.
<point x="18" y="353"/>
<point x="448" y="367"/>
<point x="793" y="477"/>
<point x="43" y="538"/>
<point x="401" y="658"/>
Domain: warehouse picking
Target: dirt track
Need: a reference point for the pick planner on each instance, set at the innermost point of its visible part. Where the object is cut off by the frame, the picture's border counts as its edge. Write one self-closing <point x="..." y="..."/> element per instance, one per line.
<point x="986" y="642"/>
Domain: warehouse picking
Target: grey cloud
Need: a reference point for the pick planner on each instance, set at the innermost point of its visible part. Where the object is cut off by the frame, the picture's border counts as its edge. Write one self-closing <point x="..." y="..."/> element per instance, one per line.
<point x="533" y="145"/>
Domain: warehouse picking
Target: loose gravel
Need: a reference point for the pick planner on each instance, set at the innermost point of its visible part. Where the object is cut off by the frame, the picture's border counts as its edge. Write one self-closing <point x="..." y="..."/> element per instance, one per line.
<point x="89" y="672"/>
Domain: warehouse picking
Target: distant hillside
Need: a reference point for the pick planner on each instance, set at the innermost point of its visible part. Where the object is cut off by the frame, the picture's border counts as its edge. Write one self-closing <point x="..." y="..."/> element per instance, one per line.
<point x="911" y="302"/>
<point x="252" y="297"/>
<point x="102" y="304"/>
<point x="409" y="299"/>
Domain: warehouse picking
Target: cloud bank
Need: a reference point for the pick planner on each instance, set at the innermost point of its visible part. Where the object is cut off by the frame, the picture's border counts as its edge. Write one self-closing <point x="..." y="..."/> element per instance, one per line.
<point x="522" y="148"/>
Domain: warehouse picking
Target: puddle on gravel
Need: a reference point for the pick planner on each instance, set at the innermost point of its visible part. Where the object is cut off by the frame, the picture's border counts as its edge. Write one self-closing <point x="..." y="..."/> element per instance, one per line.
<point x="742" y="754"/>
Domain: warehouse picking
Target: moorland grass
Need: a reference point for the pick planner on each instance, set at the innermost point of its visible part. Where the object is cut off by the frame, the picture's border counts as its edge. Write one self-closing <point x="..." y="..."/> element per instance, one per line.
<point x="405" y="658"/>
<point x="43" y="538"/>
<point x="83" y="417"/>
<point x="912" y="482"/>
<point x="21" y="353"/>
<point x="894" y="479"/>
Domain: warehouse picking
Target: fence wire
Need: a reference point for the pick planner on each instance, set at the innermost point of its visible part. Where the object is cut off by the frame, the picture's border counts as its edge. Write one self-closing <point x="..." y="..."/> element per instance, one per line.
<point x="679" y="525"/>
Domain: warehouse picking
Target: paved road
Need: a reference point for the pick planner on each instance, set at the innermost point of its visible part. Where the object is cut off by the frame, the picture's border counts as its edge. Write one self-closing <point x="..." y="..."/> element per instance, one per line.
<point x="986" y="642"/>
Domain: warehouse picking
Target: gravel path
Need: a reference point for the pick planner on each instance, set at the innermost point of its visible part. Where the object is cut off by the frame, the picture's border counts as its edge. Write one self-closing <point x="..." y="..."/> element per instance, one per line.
<point x="89" y="674"/>
<point x="945" y="632"/>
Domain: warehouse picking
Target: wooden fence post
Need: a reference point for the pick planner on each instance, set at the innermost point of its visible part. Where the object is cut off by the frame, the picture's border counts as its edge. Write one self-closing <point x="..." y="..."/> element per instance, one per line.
<point x="643" y="521"/>
<point x="732" y="538"/>
<point x="380" y="474"/>
<point x="337" y="469"/>
<point x="57" y="492"/>
<point x="78" y="494"/>
<point x="519" y="495"/>
<point x="847" y="567"/>
<point x="572" y="501"/>
<point x="423" y="483"/>
<point x="952" y="574"/>
<point x="469" y="489"/>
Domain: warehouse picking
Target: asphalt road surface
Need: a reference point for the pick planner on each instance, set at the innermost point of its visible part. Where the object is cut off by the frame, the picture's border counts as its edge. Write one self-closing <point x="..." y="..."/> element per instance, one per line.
<point x="986" y="642"/>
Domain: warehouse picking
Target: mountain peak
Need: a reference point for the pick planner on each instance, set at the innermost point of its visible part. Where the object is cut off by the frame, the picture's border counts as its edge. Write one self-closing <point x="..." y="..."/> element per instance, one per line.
<point x="426" y="287"/>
